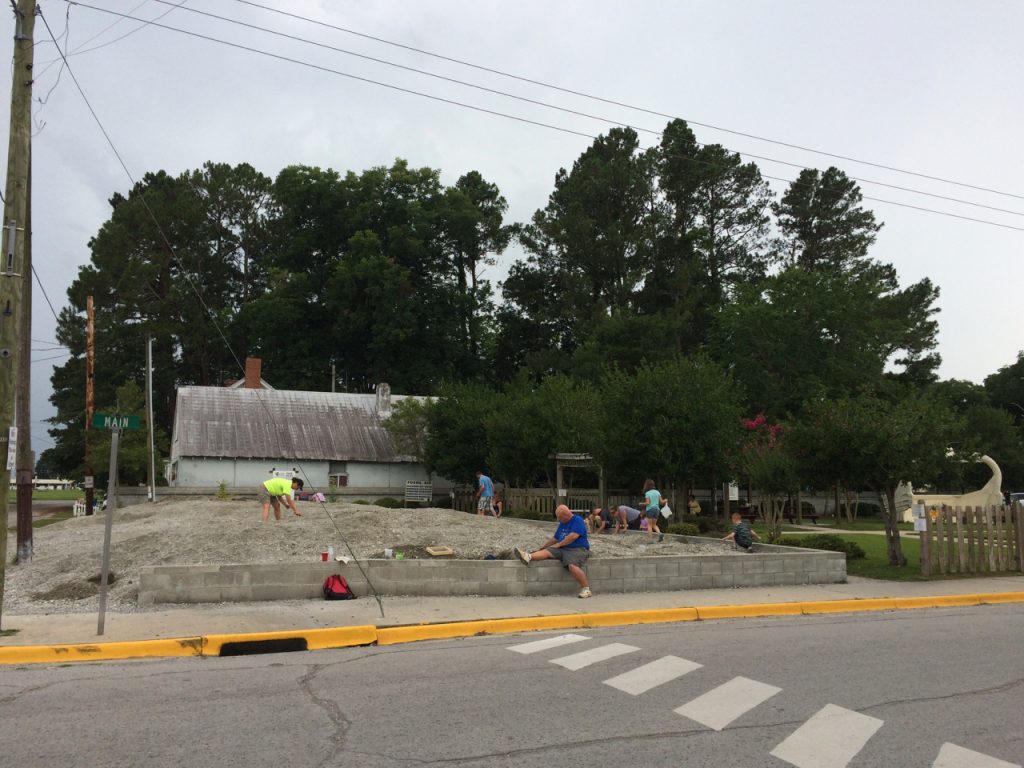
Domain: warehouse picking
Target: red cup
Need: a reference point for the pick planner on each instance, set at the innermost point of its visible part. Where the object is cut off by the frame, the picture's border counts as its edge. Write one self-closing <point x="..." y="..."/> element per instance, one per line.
<point x="323" y="556"/>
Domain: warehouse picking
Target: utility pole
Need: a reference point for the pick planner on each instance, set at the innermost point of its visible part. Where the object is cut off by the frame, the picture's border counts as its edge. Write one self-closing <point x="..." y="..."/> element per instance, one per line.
<point x="90" y="357"/>
<point x="25" y="465"/>
<point x="16" y="233"/>
<point x="149" y="418"/>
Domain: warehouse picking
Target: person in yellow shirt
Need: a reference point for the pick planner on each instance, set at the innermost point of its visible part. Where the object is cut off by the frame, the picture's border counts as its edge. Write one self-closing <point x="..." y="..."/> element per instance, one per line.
<point x="274" y="491"/>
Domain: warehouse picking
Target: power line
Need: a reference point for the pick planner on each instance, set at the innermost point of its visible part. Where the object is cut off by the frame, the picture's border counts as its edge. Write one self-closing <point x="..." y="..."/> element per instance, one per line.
<point x="496" y="113"/>
<point x="55" y="357"/>
<point x="45" y="296"/>
<point x="633" y="107"/>
<point x="202" y="302"/>
<point x="563" y="109"/>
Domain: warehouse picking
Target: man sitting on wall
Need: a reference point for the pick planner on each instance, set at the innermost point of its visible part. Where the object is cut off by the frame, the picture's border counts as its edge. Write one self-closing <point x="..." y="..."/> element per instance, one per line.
<point x="569" y="545"/>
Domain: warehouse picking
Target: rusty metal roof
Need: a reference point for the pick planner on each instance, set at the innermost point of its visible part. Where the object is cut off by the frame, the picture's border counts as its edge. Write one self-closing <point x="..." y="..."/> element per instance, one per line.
<point x="258" y="423"/>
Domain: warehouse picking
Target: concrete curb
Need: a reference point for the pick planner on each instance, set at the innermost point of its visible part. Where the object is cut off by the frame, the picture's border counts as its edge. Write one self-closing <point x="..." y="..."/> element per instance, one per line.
<point x="346" y="637"/>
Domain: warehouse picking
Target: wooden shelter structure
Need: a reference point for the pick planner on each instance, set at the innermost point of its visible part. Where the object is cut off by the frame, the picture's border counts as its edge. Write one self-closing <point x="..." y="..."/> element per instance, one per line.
<point x="577" y="460"/>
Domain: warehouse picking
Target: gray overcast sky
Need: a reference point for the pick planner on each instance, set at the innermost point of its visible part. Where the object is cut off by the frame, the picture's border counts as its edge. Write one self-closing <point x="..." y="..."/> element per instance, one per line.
<point x="924" y="85"/>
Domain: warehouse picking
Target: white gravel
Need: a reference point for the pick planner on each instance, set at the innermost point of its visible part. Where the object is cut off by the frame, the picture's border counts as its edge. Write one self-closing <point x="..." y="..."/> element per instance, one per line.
<point x="210" y="532"/>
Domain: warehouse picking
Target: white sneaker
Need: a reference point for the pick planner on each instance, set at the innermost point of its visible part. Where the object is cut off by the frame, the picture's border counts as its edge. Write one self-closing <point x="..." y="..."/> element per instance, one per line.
<point x="524" y="556"/>
<point x="585" y="592"/>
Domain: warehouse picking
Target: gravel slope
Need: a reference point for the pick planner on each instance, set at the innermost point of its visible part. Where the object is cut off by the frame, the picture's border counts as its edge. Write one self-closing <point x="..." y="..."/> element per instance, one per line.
<point x="210" y="531"/>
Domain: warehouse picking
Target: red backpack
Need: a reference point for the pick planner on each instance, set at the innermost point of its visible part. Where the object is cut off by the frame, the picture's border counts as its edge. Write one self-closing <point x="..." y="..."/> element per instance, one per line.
<point x="336" y="588"/>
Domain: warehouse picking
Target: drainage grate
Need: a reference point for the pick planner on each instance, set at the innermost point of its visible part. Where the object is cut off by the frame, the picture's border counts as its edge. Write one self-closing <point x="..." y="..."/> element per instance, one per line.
<point x="253" y="647"/>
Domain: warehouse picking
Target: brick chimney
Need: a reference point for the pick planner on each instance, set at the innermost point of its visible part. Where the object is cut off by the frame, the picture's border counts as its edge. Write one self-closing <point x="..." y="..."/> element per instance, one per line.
<point x="383" y="400"/>
<point x="253" y="368"/>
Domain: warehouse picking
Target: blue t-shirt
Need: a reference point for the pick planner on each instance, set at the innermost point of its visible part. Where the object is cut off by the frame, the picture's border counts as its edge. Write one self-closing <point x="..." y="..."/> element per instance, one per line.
<point x="487" y="485"/>
<point x="576" y="525"/>
<point x="653" y="500"/>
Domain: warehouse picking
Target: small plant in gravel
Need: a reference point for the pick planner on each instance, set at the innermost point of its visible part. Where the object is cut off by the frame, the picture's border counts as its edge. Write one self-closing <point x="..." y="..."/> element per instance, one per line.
<point x="222" y="491"/>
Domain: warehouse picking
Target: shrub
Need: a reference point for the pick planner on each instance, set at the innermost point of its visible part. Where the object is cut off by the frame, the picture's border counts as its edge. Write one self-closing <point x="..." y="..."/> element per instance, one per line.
<point x="222" y="491"/>
<point x="683" y="529"/>
<point x="828" y="542"/>
<point x="704" y="523"/>
<point x="389" y="503"/>
<point x="360" y="501"/>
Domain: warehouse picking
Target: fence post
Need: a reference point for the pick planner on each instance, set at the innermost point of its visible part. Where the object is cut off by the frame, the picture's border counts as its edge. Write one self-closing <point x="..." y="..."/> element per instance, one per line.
<point x="926" y="545"/>
<point x="1017" y="514"/>
<point x="961" y="545"/>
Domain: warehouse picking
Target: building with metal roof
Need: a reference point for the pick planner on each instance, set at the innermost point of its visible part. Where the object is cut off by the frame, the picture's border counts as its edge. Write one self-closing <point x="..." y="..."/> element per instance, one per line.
<point x="240" y="436"/>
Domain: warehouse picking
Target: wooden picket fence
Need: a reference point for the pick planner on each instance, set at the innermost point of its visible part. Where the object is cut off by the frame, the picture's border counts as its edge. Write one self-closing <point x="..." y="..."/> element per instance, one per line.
<point x="973" y="540"/>
<point x="539" y="502"/>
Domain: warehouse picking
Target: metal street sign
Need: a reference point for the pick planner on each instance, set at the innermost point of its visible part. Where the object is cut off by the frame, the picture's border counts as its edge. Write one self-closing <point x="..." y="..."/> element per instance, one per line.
<point x="110" y="421"/>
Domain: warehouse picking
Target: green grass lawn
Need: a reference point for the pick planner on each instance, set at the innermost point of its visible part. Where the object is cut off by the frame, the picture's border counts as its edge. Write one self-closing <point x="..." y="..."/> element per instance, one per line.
<point x="864" y="524"/>
<point x="69" y="495"/>
<point x="45" y="521"/>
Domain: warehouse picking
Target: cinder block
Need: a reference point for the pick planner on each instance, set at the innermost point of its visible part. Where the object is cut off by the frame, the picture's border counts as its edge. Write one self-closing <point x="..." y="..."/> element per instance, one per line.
<point x="752" y="564"/>
<point x="759" y="579"/>
<point x="236" y="594"/>
<point x="636" y="585"/>
<point x="667" y="569"/>
<point x="645" y="570"/>
<point x="598" y="570"/>
<point x="608" y="585"/>
<point x="678" y="582"/>
<point x="689" y="566"/>
<point x="785" y="579"/>
<point x="702" y="582"/>
<point x="278" y="592"/>
<point x="621" y="569"/>
<point x="711" y="567"/>
<point x="774" y="565"/>
<point x="725" y="580"/>
<point x="199" y="595"/>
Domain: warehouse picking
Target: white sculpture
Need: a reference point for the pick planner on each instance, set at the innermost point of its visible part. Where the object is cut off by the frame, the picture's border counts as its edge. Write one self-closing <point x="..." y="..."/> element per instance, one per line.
<point x="990" y="495"/>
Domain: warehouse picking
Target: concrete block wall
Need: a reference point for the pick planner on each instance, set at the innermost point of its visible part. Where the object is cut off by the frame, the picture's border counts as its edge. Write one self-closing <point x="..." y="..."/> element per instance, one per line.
<point x="499" y="578"/>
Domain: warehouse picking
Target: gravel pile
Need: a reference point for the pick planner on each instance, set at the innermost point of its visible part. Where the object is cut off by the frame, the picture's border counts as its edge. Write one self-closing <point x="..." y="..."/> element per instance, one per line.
<point x="64" y="573"/>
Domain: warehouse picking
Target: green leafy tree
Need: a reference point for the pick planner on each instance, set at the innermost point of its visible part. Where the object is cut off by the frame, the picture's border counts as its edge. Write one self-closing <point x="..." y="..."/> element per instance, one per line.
<point x="133" y="445"/>
<point x="456" y="433"/>
<point x="535" y="421"/>
<point x="1005" y="388"/>
<point x="804" y="333"/>
<point x="674" y="421"/>
<point x="822" y="223"/>
<point x="769" y="467"/>
<point x="408" y="426"/>
<point x="875" y="443"/>
<point x="589" y="250"/>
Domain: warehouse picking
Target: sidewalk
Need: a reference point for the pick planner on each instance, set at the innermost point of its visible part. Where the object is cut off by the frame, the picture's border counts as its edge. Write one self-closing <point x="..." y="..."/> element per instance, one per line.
<point x="241" y="618"/>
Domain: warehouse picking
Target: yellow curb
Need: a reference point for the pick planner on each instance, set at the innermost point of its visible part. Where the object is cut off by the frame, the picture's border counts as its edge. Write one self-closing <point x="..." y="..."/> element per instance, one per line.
<point x="1000" y="597"/>
<point x="748" y="611"/>
<point x="342" y="637"/>
<point x="316" y="639"/>
<point x="940" y="601"/>
<point x="133" y="649"/>
<point x="849" y="606"/>
<point x="415" y="633"/>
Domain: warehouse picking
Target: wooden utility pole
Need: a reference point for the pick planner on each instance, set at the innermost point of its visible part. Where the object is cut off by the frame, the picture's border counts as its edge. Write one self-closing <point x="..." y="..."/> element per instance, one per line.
<point x="15" y="238"/>
<point x="25" y="465"/>
<point x="149" y="418"/>
<point x="90" y="357"/>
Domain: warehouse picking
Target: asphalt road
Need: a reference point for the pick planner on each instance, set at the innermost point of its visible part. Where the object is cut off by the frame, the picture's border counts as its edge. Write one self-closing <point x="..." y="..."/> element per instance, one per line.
<point x="940" y="688"/>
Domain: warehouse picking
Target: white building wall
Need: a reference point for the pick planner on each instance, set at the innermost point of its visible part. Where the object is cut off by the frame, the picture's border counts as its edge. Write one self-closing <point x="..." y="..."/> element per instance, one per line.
<point x="243" y="473"/>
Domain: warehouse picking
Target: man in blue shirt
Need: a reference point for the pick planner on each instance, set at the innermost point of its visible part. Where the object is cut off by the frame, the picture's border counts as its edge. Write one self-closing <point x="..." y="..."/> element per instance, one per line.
<point x="569" y="545"/>
<point x="484" y="495"/>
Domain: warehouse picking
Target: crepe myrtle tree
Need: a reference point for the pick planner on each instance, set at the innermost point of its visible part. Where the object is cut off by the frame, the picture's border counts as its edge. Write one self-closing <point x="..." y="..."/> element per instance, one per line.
<point x="770" y="468"/>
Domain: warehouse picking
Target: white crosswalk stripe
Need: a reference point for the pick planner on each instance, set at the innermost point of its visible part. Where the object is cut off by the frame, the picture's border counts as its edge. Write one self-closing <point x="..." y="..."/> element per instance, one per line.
<point x="594" y="655"/>
<point x="952" y="756"/>
<point x="658" y="672"/>
<point x="830" y="739"/>
<point x="720" y="706"/>
<point x="550" y="642"/>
